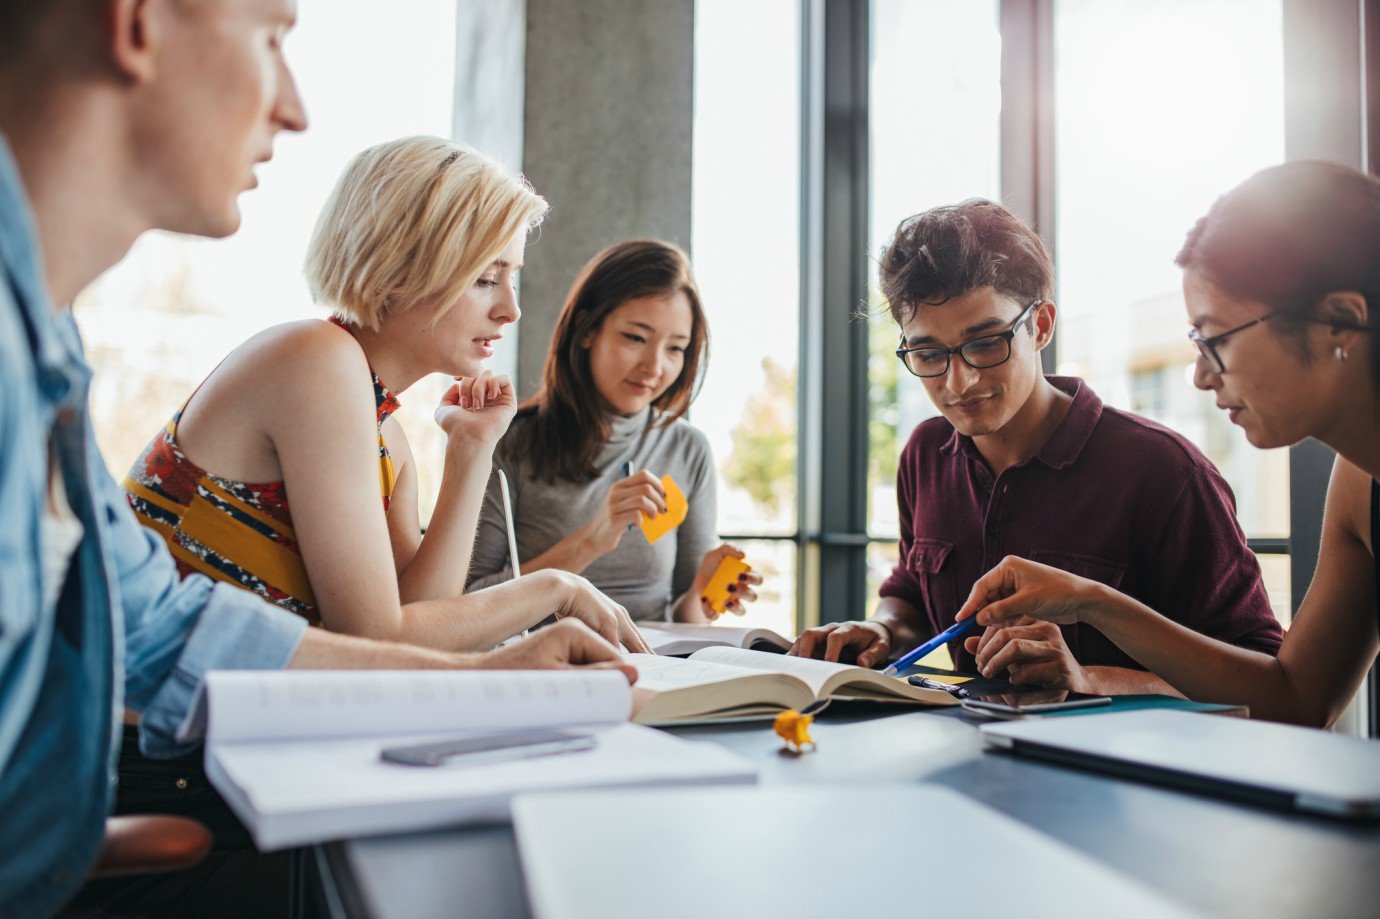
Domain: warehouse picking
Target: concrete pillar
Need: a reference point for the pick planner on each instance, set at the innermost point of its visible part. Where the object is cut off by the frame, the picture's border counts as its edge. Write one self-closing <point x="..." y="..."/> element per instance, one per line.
<point x="600" y="118"/>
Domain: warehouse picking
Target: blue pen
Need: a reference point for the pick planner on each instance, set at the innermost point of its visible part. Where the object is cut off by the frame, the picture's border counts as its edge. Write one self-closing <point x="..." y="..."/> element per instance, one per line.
<point x="627" y="471"/>
<point x="957" y="630"/>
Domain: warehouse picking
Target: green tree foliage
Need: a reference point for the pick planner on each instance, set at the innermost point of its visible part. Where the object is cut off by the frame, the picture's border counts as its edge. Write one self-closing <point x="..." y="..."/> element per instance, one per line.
<point x="762" y="462"/>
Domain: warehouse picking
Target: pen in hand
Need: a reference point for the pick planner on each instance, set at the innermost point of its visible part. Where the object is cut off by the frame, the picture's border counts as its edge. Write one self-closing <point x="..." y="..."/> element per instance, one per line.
<point x="628" y="471"/>
<point x="957" y="630"/>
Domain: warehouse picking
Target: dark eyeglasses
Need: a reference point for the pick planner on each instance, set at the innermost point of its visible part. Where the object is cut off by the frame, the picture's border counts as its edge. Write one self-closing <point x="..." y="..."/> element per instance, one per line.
<point x="979" y="353"/>
<point x="1207" y="344"/>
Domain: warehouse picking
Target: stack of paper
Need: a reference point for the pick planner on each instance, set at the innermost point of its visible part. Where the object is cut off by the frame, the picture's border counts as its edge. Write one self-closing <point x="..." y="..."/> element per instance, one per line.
<point x="296" y="754"/>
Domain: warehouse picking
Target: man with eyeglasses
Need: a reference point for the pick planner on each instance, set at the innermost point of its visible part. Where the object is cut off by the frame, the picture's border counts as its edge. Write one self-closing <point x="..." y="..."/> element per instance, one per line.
<point x="1024" y="464"/>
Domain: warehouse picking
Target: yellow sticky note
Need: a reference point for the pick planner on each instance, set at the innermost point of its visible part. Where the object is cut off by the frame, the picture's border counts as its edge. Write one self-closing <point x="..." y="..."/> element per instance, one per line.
<point x="676" y="509"/>
<point x="716" y="591"/>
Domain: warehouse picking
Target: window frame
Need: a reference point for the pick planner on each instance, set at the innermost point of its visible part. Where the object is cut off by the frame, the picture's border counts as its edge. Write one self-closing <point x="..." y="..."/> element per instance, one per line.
<point x="832" y="537"/>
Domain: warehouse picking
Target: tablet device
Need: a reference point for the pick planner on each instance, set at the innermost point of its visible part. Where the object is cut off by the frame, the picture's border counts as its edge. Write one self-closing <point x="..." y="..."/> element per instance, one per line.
<point x="1035" y="702"/>
<point x="1277" y="765"/>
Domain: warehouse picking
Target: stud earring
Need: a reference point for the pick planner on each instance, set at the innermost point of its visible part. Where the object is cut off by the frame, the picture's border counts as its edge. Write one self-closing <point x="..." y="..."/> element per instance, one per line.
<point x="1340" y="355"/>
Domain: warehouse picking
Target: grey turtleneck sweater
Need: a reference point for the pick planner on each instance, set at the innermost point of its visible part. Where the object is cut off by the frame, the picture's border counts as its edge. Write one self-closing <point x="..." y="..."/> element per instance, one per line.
<point x="647" y="579"/>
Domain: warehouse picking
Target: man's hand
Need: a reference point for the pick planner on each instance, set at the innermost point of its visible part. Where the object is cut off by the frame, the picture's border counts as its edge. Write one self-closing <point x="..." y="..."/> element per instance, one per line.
<point x="1029" y="653"/>
<point x="870" y="640"/>
<point x="579" y="599"/>
<point x="565" y="644"/>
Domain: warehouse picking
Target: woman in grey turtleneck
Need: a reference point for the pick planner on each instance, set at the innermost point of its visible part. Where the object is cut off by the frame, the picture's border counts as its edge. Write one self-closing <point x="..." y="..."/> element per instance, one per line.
<point x="624" y="364"/>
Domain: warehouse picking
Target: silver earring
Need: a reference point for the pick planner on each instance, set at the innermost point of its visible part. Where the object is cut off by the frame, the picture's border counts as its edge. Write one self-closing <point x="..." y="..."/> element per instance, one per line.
<point x="1340" y="355"/>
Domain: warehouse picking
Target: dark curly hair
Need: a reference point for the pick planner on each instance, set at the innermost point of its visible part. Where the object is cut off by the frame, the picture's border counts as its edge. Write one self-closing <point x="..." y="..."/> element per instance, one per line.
<point x="948" y="251"/>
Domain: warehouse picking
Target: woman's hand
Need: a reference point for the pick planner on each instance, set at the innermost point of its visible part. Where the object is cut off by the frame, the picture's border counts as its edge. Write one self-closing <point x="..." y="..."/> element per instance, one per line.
<point x="740" y="593"/>
<point x="628" y="499"/>
<point x="1018" y="588"/>
<point x="476" y="411"/>
<point x="577" y="598"/>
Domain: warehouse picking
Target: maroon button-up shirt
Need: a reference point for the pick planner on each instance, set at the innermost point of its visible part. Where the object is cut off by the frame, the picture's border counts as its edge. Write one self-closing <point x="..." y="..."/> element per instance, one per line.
<point x="1110" y="496"/>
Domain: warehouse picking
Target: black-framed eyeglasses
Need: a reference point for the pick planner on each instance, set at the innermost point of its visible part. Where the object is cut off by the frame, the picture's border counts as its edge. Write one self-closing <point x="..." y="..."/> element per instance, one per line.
<point x="979" y="353"/>
<point x="1207" y="344"/>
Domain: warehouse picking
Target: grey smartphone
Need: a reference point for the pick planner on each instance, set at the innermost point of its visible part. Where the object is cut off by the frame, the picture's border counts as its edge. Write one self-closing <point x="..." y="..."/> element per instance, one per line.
<point x="490" y="748"/>
<point x="1038" y="702"/>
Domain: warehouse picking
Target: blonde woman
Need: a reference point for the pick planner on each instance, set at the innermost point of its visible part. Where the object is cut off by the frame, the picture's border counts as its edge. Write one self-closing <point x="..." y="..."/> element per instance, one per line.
<point x="285" y="473"/>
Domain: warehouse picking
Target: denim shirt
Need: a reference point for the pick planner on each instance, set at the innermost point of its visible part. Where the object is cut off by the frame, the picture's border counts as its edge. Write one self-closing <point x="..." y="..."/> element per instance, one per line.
<point x="126" y="631"/>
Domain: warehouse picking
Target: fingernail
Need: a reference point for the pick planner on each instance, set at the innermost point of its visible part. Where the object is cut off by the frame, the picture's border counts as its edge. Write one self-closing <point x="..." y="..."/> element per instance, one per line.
<point x="742" y="577"/>
<point x="733" y="587"/>
<point x="704" y="599"/>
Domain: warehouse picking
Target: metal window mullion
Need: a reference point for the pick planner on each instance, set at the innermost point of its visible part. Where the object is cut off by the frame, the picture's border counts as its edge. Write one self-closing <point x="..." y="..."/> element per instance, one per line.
<point x="842" y="568"/>
<point x="809" y="392"/>
<point x="1027" y="122"/>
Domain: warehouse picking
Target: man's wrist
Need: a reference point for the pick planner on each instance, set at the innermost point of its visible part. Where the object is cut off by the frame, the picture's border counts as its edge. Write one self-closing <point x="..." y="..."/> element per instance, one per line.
<point x="1088" y="680"/>
<point x="888" y="629"/>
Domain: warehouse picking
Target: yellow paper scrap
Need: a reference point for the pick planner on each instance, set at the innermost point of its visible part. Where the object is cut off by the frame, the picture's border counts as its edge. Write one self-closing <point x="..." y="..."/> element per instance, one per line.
<point x="794" y="729"/>
<point x="716" y="592"/>
<point x="677" y="507"/>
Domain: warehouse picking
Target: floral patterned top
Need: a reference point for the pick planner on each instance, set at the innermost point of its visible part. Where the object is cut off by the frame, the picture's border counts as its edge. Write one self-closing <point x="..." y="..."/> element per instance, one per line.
<point x="240" y="532"/>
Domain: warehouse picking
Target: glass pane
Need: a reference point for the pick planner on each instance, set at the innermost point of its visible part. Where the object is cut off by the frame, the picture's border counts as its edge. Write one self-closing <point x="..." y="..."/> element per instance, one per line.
<point x="935" y="123"/>
<point x="160" y="321"/>
<point x="1275" y="572"/>
<point x="774" y="560"/>
<point x="1143" y="148"/>
<point x="746" y="240"/>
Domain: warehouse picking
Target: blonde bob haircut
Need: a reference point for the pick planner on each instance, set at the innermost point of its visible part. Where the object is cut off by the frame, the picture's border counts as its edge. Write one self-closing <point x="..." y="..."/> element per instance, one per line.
<point x="414" y="222"/>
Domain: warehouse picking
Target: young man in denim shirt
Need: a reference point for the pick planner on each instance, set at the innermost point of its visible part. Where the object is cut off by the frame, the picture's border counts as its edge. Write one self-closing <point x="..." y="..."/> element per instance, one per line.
<point x="118" y="117"/>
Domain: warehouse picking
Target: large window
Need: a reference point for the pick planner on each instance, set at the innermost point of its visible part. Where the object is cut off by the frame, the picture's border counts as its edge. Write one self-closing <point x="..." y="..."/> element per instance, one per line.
<point x="1142" y="151"/>
<point x="745" y="246"/>
<point x="935" y="109"/>
<point x="160" y="321"/>
<point x="1122" y="121"/>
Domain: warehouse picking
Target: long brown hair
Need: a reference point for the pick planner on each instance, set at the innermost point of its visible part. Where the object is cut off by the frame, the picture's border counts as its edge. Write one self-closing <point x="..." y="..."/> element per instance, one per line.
<point x="569" y="419"/>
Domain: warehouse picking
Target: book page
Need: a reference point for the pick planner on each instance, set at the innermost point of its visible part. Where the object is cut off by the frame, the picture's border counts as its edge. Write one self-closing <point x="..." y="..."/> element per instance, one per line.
<point x="662" y="674"/>
<point x="828" y="679"/>
<point x="685" y="637"/>
<point x="670" y="689"/>
<point x="266" y="705"/>
<point x="814" y="673"/>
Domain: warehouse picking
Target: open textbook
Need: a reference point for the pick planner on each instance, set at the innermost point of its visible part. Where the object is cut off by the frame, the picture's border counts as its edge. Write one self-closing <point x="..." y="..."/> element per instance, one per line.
<point x="296" y="754"/>
<point x="686" y="637"/>
<point x="721" y="683"/>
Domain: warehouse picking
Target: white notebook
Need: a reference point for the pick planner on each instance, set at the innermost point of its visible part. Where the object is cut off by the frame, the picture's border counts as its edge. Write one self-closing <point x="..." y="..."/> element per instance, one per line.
<point x="296" y="754"/>
<point x="825" y="851"/>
